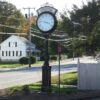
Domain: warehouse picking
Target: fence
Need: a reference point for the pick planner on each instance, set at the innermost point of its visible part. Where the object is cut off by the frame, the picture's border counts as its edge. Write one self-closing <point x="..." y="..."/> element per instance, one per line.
<point x="89" y="76"/>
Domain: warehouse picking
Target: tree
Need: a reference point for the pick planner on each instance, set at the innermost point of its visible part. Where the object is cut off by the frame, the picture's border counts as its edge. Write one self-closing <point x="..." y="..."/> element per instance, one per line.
<point x="95" y="37"/>
<point x="10" y="19"/>
<point x="88" y="16"/>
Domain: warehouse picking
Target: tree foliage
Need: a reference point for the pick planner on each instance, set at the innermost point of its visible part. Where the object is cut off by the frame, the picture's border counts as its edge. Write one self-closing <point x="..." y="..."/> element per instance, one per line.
<point x="88" y="16"/>
<point x="11" y="19"/>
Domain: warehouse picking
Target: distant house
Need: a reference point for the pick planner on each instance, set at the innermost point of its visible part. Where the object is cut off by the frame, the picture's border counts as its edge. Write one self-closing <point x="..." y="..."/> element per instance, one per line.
<point x="15" y="47"/>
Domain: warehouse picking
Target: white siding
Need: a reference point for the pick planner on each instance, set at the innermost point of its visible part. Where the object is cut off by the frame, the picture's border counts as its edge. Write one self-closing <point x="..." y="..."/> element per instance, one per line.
<point x="13" y="48"/>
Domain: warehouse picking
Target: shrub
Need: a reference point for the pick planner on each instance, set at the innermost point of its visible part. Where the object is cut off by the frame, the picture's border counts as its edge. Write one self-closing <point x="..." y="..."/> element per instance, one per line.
<point x="23" y="60"/>
<point x="53" y="58"/>
<point x="70" y="55"/>
<point x="33" y="60"/>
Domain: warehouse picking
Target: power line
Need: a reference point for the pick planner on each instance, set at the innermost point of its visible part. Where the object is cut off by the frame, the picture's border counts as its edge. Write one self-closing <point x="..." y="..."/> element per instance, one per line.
<point x="13" y="33"/>
<point x="13" y="27"/>
<point x="10" y="17"/>
<point x="60" y="40"/>
<point x="53" y="34"/>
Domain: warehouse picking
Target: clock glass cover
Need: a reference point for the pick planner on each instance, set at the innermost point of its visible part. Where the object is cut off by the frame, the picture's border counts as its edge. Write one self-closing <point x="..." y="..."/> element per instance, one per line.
<point x="46" y="22"/>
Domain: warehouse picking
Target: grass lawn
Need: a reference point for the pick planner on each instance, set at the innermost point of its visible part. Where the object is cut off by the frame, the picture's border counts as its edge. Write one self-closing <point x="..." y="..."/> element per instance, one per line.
<point x="38" y="63"/>
<point x="37" y="87"/>
<point x="66" y="78"/>
<point x="9" y="65"/>
<point x="31" y="87"/>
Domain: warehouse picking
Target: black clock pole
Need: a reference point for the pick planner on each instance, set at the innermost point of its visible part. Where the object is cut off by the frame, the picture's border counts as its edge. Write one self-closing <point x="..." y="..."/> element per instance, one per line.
<point x="46" y="69"/>
<point x="46" y="23"/>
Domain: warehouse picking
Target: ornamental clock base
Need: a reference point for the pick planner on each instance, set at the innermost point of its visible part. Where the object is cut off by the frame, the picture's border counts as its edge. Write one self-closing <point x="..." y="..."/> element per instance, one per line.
<point x="46" y="79"/>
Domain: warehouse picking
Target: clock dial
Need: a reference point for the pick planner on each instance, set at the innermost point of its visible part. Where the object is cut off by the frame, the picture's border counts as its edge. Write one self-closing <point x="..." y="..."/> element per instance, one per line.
<point x="46" y="22"/>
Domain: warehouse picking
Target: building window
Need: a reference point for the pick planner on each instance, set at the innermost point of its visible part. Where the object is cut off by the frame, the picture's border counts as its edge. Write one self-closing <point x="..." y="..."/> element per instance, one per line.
<point x="15" y="44"/>
<point x="13" y="53"/>
<point x="2" y="53"/>
<point x="6" y="53"/>
<point x="20" y="53"/>
<point x="9" y="44"/>
<point x="16" y="53"/>
<point x="9" y="53"/>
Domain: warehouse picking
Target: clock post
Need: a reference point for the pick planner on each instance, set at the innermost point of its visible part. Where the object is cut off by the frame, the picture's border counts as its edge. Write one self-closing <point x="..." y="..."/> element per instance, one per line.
<point x="46" y="23"/>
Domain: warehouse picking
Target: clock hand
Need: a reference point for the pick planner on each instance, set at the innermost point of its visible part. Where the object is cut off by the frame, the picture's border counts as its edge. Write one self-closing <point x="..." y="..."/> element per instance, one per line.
<point x="46" y="22"/>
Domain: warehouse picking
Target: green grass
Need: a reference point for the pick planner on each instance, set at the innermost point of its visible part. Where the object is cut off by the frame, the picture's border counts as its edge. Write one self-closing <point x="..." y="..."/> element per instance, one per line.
<point x="37" y="87"/>
<point x="38" y="63"/>
<point x="12" y="65"/>
<point x="30" y="87"/>
<point x="66" y="79"/>
<point x="69" y="78"/>
<point x="68" y="90"/>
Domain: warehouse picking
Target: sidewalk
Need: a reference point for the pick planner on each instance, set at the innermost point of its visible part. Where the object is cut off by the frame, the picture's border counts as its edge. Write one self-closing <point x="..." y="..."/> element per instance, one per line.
<point x="66" y="61"/>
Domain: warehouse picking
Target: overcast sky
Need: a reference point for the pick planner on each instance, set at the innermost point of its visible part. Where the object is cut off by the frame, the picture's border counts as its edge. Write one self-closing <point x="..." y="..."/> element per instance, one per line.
<point x="58" y="4"/>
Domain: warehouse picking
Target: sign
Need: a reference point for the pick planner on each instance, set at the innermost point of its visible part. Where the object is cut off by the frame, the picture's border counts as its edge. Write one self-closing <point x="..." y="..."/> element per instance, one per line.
<point x="59" y="48"/>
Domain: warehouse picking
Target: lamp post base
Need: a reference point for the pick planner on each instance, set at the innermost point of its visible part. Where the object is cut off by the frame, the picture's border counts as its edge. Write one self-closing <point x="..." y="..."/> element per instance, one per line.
<point x="46" y="79"/>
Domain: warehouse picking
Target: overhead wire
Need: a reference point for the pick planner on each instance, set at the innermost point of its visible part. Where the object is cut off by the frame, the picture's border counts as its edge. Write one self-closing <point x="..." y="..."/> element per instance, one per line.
<point x="13" y="27"/>
<point x="64" y="40"/>
<point x="9" y="17"/>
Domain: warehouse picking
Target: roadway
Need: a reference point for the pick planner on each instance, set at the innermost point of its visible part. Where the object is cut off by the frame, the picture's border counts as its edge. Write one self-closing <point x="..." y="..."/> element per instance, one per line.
<point x="26" y="75"/>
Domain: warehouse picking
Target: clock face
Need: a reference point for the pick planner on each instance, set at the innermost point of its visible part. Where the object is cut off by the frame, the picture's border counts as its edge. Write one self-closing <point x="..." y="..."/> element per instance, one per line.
<point x="46" y="22"/>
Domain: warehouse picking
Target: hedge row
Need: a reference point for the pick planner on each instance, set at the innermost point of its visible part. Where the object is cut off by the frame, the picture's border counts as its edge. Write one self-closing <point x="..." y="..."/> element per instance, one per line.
<point x="25" y="60"/>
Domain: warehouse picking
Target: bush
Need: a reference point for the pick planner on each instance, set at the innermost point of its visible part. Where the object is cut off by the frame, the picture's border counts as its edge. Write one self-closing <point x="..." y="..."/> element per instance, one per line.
<point x="33" y="60"/>
<point x="70" y="55"/>
<point x="23" y="60"/>
<point x="53" y="58"/>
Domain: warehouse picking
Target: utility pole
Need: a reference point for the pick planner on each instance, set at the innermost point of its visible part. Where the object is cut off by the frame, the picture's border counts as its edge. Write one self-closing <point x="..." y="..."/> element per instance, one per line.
<point x="29" y="36"/>
<point x="75" y="24"/>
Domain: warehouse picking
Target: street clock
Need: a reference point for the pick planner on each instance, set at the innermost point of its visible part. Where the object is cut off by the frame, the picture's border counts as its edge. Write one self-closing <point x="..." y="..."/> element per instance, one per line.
<point x="46" y="22"/>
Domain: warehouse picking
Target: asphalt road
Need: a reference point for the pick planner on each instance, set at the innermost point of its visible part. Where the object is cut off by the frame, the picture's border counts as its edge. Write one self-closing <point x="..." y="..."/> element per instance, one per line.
<point x="21" y="76"/>
<point x="26" y="75"/>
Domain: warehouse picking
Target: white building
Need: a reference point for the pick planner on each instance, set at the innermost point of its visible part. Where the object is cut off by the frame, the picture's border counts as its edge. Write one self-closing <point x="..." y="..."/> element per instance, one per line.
<point x="15" y="47"/>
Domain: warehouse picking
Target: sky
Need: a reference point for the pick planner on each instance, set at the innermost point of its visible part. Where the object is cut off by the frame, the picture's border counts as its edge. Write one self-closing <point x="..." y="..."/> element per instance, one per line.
<point x="58" y="4"/>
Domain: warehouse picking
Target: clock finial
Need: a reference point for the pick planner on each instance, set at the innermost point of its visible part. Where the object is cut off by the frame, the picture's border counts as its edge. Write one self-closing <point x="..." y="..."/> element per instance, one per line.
<point x="47" y="8"/>
<point x="47" y="4"/>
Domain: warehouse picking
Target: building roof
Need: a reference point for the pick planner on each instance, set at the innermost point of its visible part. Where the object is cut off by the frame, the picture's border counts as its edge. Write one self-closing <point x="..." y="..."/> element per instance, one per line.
<point x="24" y="40"/>
<point x="27" y="42"/>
